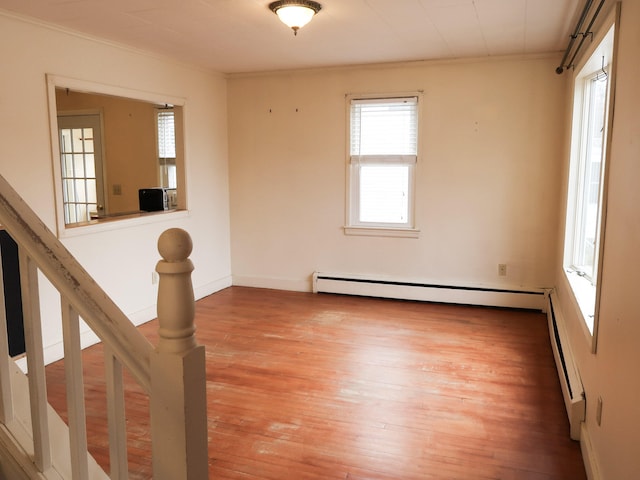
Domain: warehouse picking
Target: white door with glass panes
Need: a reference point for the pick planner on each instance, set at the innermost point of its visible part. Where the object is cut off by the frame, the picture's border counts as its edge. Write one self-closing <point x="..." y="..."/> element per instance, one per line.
<point x="81" y="167"/>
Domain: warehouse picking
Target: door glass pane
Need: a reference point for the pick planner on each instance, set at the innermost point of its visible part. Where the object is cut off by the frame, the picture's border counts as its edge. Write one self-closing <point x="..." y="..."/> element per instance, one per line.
<point x="88" y="139"/>
<point x="65" y="140"/>
<point x="70" y="213"/>
<point x="76" y="135"/>
<point x="70" y="191"/>
<point x="82" y="212"/>
<point x="91" y="191"/>
<point x="90" y="165"/>
<point x="78" y="165"/>
<point x="80" y="191"/>
<point x="67" y="165"/>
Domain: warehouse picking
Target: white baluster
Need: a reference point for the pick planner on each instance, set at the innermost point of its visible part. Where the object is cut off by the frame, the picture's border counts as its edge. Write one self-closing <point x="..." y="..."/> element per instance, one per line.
<point x="116" y="417"/>
<point x="35" y="361"/>
<point x="178" y="374"/>
<point x="75" y="391"/>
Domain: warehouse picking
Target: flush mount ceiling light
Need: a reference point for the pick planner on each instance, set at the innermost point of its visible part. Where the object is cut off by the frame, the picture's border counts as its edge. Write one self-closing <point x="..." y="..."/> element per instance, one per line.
<point x="295" y="13"/>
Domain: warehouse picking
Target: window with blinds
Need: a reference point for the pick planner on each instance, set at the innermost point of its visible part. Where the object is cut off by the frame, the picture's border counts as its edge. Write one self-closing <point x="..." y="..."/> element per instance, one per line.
<point x="383" y="154"/>
<point x="167" y="148"/>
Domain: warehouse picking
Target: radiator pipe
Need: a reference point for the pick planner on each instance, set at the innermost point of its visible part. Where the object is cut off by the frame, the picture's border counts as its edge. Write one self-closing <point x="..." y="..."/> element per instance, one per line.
<point x="576" y="32"/>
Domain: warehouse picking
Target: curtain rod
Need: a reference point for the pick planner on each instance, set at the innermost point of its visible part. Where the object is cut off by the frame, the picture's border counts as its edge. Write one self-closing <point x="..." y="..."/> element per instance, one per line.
<point x="576" y="33"/>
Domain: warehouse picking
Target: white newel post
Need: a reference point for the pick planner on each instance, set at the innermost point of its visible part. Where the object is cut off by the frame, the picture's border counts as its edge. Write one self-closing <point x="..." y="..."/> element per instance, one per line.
<point x="178" y="376"/>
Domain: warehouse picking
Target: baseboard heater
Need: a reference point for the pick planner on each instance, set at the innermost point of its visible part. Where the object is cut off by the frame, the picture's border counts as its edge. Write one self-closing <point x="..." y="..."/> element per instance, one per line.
<point x="371" y="286"/>
<point x="572" y="390"/>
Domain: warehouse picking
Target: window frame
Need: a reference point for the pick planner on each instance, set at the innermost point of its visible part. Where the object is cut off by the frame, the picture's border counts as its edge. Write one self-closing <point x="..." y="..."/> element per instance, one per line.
<point x="63" y="230"/>
<point x="586" y="288"/>
<point x="393" y="229"/>
<point x="583" y="163"/>
<point x="166" y="162"/>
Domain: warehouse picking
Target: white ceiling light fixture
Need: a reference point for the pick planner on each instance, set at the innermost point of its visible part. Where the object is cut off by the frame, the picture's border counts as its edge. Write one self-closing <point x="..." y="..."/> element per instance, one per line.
<point x="295" y="13"/>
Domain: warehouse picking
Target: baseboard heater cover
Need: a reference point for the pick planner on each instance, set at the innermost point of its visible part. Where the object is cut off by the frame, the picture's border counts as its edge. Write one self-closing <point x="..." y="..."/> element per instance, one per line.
<point x="409" y="290"/>
<point x="570" y="382"/>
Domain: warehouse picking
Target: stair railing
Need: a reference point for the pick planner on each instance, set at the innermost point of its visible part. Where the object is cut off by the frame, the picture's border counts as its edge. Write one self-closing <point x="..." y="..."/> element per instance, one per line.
<point x="172" y="373"/>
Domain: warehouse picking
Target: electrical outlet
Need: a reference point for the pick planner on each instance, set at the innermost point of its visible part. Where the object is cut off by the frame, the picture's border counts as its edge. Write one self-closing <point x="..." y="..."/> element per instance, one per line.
<point x="117" y="189"/>
<point x="154" y="278"/>
<point x="599" y="411"/>
<point x="502" y="269"/>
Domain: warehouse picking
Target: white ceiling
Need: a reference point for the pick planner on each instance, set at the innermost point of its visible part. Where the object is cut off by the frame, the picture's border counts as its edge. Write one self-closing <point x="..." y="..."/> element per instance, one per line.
<point x="233" y="36"/>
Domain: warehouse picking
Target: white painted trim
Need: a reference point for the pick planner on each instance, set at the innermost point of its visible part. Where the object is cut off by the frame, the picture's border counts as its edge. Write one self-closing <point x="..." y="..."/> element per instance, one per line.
<point x="212" y="287"/>
<point x="118" y="223"/>
<point x="114" y="90"/>
<point x="381" y="231"/>
<point x="588" y="454"/>
<point x="576" y="311"/>
<point x="295" y="285"/>
<point x="400" y="64"/>
<point x="585" y="295"/>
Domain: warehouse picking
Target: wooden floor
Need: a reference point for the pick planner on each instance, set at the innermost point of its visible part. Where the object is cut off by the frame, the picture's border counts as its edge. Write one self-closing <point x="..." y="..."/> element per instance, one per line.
<point x="304" y="386"/>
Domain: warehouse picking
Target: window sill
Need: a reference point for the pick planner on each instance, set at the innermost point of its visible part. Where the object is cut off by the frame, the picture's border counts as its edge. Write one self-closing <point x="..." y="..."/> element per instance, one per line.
<point x="382" y="232"/>
<point x="119" y="222"/>
<point x="585" y="295"/>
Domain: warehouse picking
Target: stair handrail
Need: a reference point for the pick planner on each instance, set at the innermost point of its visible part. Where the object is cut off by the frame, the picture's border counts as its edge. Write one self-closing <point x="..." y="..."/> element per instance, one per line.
<point x="95" y="307"/>
<point x="173" y="373"/>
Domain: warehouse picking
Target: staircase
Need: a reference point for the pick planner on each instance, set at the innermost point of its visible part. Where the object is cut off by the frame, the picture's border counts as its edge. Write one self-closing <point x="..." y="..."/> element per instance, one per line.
<point x="34" y="442"/>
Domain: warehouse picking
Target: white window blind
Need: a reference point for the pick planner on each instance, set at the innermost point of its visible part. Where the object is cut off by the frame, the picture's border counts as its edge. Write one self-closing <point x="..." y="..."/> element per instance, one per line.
<point x="166" y="134"/>
<point x="167" y="148"/>
<point x="387" y="127"/>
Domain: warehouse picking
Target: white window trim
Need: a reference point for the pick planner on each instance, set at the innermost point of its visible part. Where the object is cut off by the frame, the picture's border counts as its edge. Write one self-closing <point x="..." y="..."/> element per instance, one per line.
<point x="585" y="295"/>
<point x="74" y="230"/>
<point x="586" y="292"/>
<point x="355" y="227"/>
<point x="382" y="231"/>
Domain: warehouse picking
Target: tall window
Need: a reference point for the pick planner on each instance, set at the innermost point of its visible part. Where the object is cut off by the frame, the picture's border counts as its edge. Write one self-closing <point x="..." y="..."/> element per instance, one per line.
<point x="587" y="182"/>
<point x="589" y="177"/>
<point x="167" y="148"/>
<point x="383" y="156"/>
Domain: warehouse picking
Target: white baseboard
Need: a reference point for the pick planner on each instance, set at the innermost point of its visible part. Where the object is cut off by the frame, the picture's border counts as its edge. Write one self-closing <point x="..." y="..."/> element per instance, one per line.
<point x="212" y="287"/>
<point x="588" y="455"/>
<point x="295" y="285"/>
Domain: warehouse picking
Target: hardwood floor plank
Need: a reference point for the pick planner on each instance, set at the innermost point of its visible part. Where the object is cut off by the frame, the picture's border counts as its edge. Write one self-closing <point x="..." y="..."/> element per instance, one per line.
<point x="316" y="387"/>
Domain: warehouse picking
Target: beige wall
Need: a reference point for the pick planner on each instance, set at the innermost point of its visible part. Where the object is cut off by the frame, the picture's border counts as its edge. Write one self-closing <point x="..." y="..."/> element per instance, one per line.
<point x="121" y="260"/>
<point x="487" y="179"/>
<point x="612" y="372"/>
